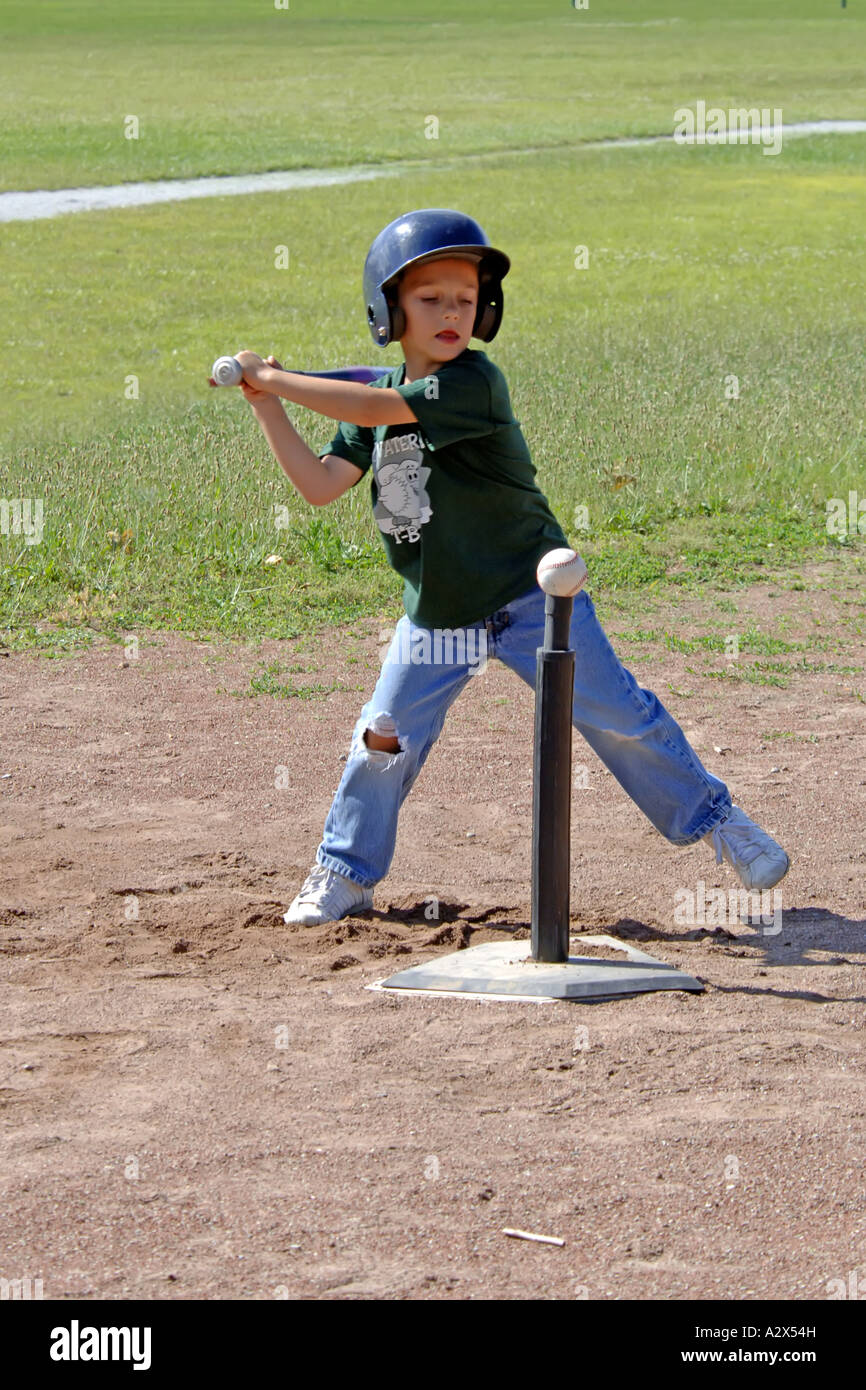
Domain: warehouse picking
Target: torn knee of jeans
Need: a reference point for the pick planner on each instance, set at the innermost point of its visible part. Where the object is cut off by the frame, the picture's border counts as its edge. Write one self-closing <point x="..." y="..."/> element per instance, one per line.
<point x="382" y="724"/>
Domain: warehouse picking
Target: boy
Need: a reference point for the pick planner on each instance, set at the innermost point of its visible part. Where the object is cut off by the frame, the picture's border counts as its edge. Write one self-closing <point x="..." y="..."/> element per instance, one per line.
<point x="465" y="524"/>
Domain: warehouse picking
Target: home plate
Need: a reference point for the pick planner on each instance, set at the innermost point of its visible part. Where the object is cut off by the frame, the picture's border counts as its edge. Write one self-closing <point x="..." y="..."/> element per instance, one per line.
<point x="506" y="970"/>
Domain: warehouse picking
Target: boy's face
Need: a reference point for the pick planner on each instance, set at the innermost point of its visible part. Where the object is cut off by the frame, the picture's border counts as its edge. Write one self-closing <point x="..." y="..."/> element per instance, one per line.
<point x="439" y="300"/>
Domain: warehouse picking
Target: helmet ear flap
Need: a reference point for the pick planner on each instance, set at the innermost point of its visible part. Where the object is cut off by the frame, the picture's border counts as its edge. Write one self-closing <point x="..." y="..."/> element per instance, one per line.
<point x="489" y="315"/>
<point x="385" y="318"/>
<point x="398" y="321"/>
<point x="379" y="319"/>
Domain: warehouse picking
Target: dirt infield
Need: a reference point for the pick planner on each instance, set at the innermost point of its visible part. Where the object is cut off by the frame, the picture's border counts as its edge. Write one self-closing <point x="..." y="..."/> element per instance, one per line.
<point x="200" y="1102"/>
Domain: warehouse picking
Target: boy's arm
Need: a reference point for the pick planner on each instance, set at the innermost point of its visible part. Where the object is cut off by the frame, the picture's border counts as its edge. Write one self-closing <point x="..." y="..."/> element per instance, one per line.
<point x="341" y="400"/>
<point x="319" y="481"/>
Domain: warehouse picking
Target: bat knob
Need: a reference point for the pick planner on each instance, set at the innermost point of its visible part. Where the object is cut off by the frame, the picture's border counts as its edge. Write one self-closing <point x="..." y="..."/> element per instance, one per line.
<point x="226" y="371"/>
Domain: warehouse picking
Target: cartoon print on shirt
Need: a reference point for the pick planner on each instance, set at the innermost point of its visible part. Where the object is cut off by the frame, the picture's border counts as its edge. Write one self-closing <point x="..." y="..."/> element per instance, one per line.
<point x="402" y="505"/>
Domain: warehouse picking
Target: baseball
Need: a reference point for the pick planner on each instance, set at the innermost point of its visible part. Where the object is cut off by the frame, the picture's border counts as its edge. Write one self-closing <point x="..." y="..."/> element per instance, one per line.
<point x="227" y="371"/>
<point x="561" y="572"/>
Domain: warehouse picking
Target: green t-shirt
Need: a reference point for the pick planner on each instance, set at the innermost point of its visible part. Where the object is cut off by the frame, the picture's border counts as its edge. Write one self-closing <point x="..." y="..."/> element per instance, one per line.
<point x="462" y="517"/>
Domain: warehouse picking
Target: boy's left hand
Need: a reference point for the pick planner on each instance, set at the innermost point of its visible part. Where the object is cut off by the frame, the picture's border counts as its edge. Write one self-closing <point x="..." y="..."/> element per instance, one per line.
<point x="251" y="364"/>
<point x="255" y="371"/>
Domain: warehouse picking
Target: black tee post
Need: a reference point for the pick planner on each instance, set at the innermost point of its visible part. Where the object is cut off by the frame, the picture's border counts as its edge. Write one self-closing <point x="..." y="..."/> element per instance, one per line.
<point x="551" y="789"/>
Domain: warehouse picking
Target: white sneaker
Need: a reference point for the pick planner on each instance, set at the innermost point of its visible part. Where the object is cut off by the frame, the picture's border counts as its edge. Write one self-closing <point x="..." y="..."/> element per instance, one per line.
<point x="326" y="897"/>
<point x="758" y="860"/>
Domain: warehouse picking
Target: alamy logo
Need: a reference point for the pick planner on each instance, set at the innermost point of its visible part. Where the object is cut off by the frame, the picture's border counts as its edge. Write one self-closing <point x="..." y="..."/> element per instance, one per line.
<point x="855" y="1287"/>
<point x="714" y="907"/>
<point x="738" y="125"/>
<point x="76" y="1343"/>
<point x="24" y="1289"/>
<point x="22" y="516"/>
<point x="846" y="519"/>
<point x="435" y="646"/>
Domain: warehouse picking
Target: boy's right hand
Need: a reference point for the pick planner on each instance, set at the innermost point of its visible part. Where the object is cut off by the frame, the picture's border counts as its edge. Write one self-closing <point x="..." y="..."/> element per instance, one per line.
<point x="253" y="394"/>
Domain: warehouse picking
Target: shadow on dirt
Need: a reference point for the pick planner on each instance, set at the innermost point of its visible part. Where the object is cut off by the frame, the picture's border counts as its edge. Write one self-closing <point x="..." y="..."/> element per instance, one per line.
<point x="811" y="937"/>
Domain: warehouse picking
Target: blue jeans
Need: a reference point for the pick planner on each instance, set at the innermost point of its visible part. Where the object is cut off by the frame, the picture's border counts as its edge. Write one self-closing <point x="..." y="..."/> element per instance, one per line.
<point x="424" y="672"/>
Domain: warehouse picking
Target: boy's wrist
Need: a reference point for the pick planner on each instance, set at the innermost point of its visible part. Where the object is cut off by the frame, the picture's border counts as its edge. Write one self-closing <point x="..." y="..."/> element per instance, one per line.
<point x="267" y="404"/>
<point x="277" y="381"/>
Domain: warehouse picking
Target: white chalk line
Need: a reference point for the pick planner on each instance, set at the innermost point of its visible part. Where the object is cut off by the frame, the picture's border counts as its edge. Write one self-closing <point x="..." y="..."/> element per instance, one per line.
<point x="42" y="203"/>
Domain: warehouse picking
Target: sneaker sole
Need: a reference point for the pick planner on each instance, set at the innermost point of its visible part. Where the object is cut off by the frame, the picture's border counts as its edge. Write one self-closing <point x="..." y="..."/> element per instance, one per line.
<point x="309" y="919"/>
<point x="765" y="887"/>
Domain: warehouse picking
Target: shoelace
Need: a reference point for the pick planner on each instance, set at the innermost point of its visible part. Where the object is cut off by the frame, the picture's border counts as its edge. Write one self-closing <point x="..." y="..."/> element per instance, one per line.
<point x="338" y="889"/>
<point x="314" y="878"/>
<point x="745" y="853"/>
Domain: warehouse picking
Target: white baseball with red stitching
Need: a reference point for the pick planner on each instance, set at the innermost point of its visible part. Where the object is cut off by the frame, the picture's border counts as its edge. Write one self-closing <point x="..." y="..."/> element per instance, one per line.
<point x="561" y="572"/>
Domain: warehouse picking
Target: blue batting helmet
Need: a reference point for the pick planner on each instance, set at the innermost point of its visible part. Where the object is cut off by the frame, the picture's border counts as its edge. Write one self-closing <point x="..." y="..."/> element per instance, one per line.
<point x="427" y="235"/>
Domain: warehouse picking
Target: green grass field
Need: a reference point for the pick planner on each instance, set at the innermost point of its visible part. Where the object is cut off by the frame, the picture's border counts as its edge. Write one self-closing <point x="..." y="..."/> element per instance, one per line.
<point x="704" y="265"/>
<point x="224" y="89"/>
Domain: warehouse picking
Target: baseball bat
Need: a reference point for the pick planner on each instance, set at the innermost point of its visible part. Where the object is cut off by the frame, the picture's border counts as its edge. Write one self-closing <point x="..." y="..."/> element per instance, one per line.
<point x="226" y="371"/>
